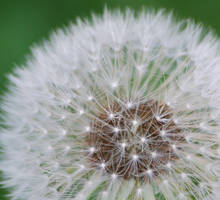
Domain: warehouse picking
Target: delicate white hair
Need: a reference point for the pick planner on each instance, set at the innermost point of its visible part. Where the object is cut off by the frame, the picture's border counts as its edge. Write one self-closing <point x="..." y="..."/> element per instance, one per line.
<point x="82" y="69"/>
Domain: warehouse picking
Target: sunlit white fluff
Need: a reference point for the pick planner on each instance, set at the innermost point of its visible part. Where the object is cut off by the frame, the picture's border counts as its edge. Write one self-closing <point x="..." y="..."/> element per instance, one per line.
<point x="67" y="80"/>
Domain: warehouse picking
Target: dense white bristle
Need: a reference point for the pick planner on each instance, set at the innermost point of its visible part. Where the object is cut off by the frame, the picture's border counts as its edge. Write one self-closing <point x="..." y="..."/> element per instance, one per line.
<point x="80" y="72"/>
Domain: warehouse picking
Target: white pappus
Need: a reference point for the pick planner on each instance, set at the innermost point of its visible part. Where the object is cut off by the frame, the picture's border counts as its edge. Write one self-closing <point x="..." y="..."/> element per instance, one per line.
<point x="122" y="107"/>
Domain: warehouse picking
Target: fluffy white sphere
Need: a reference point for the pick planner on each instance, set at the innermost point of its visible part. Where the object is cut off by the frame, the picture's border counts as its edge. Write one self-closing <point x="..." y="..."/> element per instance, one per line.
<point x="119" y="108"/>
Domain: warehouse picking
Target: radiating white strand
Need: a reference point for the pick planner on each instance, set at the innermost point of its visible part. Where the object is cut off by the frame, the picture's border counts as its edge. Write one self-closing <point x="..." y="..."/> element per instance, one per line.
<point x="80" y="72"/>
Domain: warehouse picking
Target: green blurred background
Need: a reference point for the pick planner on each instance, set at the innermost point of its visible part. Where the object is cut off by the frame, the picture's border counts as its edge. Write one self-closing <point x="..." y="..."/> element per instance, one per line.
<point x="24" y="23"/>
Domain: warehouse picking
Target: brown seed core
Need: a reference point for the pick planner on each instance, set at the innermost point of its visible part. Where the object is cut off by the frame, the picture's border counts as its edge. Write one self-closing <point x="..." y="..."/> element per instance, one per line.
<point x="134" y="141"/>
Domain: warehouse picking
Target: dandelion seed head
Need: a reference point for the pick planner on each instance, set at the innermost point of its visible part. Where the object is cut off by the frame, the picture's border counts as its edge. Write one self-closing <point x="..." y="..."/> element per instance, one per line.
<point x="124" y="106"/>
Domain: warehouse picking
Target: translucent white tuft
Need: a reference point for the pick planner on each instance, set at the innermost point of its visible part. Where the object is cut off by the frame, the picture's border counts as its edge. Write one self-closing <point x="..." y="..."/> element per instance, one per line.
<point x="81" y="70"/>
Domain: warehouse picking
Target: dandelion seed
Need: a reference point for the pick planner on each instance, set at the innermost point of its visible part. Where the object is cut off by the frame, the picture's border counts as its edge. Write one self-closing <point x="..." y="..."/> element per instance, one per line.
<point x="123" y="145"/>
<point x="176" y="121"/>
<point x="63" y="117"/>
<point x="188" y="138"/>
<point x="116" y="130"/>
<point x="89" y="183"/>
<point x="149" y="172"/>
<point x="82" y="167"/>
<point x="87" y="128"/>
<point x="139" y="190"/>
<point x="92" y="149"/>
<point x="181" y="196"/>
<point x="183" y="175"/>
<point x="63" y="132"/>
<point x="103" y="165"/>
<point x="169" y="165"/>
<point x="129" y="104"/>
<point x="78" y="86"/>
<point x="154" y="154"/>
<point x="135" y="157"/>
<point x="81" y="112"/>
<point x="134" y="122"/>
<point x="114" y="176"/>
<point x="80" y="196"/>
<point x="105" y="193"/>
<point x="56" y="165"/>
<point x="114" y="84"/>
<point x="163" y="133"/>
<point x="143" y="139"/>
<point x="188" y="105"/>
<point x="45" y="131"/>
<point x="140" y="68"/>
<point x="168" y="103"/>
<point x="173" y="146"/>
<point x="90" y="98"/>
<point x="67" y="101"/>
<point x="67" y="148"/>
<point x="202" y="149"/>
<point x="158" y="118"/>
<point x="111" y="116"/>
<point x="50" y="148"/>
<point x="188" y="157"/>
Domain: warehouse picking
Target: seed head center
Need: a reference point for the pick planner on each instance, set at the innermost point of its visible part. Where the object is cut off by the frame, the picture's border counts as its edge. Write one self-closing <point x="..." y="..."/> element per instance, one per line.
<point x="134" y="142"/>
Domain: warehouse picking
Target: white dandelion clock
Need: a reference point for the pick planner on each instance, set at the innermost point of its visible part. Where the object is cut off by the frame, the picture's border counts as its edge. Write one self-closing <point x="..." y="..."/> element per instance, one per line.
<point x="120" y="108"/>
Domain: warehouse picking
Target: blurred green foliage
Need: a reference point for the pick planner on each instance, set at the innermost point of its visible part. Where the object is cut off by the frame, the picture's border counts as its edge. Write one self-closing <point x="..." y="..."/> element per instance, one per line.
<point x="27" y="22"/>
